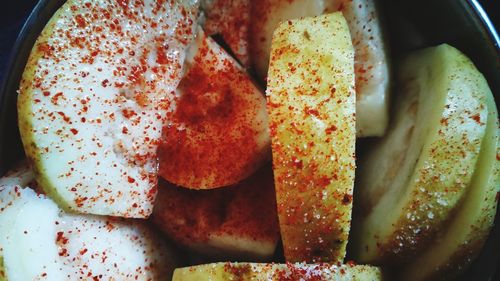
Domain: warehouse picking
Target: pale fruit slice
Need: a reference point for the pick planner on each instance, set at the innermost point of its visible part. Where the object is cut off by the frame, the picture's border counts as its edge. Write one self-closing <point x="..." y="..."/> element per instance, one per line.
<point x="277" y="272"/>
<point x="231" y="20"/>
<point x="311" y="104"/>
<point x="237" y="222"/>
<point x="38" y="241"/>
<point x="218" y="134"/>
<point x="266" y="15"/>
<point x="461" y="241"/>
<point x="371" y="65"/>
<point x="411" y="182"/>
<point x="92" y="98"/>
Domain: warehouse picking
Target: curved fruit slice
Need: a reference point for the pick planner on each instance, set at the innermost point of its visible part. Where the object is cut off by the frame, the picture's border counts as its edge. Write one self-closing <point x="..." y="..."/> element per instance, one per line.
<point x="237" y="222"/>
<point x="92" y="98"/>
<point x="231" y="20"/>
<point x="370" y="63"/>
<point x="266" y="15"/>
<point x="311" y="103"/>
<point x="40" y="242"/>
<point x="413" y="179"/>
<point x="371" y="66"/>
<point x="218" y="134"/>
<point x="461" y="241"/>
<point x="278" y="272"/>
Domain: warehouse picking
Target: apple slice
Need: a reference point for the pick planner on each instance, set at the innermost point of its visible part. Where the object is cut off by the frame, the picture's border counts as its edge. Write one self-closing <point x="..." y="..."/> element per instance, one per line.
<point x="458" y="245"/>
<point x="311" y="104"/>
<point x="266" y="15"/>
<point x="237" y="222"/>
<point x="371" y="66"/>
<point x="278" y="272"/>
<point x="38" y="241"/>
<point x="413" y="179"/>
<point x="92" y="98"/>
<point x="231" y="20"/>
<point x="218" y="134"/>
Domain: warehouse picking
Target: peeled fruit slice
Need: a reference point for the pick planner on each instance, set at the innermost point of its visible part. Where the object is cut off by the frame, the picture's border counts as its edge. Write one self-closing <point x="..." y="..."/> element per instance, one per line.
<point x="231" y="20"/>
<point x="311" y="104"/>
<point x="237" y="222"/>
<point x="411" y="182"/>
<point x="371" y="65"/>
<point x="458" y="245"/>
<point x="218" y="134"/>
<point x="266" y="15"/>
<point x="96" y="87"/>
<point x="277" y="272"/>
<point x="38" y="241"/>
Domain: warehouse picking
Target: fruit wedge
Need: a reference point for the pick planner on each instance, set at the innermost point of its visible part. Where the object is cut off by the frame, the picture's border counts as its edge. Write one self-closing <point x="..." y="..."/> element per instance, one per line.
<point x="96" y="87"/>
<point x="218" y="134"/>
<point x="311" y="104"/>
<point x="371" y="63"/>
<point x="232" y="223"/>
<point x="231" y="20"/>
<point x="458" y="245"/>
<point x="38" y="241"/>
<point x="266" y="15"/>
<point x="277" y="272"/>
<point x="412" y="181"/>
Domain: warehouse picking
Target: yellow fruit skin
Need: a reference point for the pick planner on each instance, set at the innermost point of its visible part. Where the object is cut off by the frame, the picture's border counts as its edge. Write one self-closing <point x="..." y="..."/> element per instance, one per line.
<point x="311" y="104"/>
<point x="277" y="272"/>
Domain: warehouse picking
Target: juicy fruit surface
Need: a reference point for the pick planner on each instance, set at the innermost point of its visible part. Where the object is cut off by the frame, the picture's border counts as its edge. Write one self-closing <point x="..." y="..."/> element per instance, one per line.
<point x="311" y="104"/>
<point x="278" y="272"/>
<point x="92" y="98"/>
<point x="435" y="147"/>
<point x="218" y="133"/>
<point x="458" y="245"/>
<point x="38" y="241"/>
<point x="371" y="65"/>
<point x="237" y="222"/>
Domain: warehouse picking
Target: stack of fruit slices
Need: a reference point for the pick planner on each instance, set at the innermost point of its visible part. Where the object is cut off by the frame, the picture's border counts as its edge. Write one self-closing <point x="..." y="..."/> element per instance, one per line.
<point x="116" y="94"/>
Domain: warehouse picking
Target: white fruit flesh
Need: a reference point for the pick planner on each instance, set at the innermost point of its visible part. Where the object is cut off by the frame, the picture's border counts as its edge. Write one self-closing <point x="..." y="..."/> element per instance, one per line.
<point x="92" y="98"/>
<point x="266" y="16"/>
<point x="28" y="223"/>
<point x="412" y="180"/>
<point x="311" y="104"/>
<point x="371" y="65"/>
<point x="232" y="223"/>
<point x="461" y="241"/>
<point x="231" y="20"/>
<point x="277" y="272"/>
<point x="38" y="241"/>
<point x="218" y="133"/>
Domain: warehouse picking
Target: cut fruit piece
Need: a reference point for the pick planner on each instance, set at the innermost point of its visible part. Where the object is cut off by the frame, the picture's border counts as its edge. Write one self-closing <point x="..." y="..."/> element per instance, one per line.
<point x="278" y="272"/>
<point x="411" y="182"/>
<point x="38" y="241"/>
<point x="218" y="134"/>
<point x="459" y="244"/>
<point x="237" y="222"/>
<point x="371" y="66"/>
<point x="93" y="96"/>
<point x="266" y="15"/>
<point x="231" y="20"/>
<point x="311" y="104"/>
